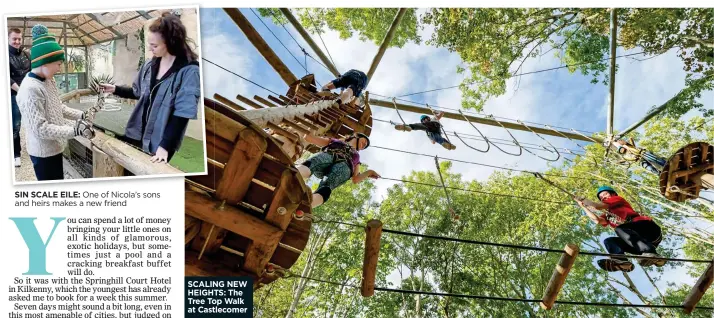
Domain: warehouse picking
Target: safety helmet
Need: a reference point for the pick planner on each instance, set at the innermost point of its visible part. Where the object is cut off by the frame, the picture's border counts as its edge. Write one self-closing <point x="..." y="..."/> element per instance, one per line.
<point x="423" y="117"/>
<point x="604" y="188"/>
<point x="359" y="136"/>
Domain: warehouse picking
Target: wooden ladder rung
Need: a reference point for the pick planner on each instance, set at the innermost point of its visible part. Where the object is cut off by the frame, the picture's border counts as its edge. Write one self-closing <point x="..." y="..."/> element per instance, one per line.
<point x="559" y="275"/>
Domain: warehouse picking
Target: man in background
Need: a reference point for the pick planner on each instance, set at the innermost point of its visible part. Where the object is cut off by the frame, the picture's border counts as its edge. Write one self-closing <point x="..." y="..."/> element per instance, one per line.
<point x="19" y="67"/>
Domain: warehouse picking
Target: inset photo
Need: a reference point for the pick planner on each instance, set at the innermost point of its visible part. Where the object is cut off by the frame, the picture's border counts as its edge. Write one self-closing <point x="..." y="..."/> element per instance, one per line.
<point x="106" y="94"/>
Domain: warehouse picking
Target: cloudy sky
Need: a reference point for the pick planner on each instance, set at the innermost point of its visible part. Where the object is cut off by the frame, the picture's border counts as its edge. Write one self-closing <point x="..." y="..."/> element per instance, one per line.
<point x="556" y="98"/>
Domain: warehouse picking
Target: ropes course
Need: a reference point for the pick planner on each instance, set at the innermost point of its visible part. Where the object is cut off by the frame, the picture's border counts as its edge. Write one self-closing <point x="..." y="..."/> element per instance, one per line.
<point x="254" y="178"/>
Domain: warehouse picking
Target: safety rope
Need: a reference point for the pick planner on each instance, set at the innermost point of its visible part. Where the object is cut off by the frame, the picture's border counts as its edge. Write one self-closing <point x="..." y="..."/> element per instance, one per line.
<point x="448" y="198"/>
<point x="548" y="142"/>
<point x="488" y="142"/>
<point x="398" y="113"/>
<point x="572" y="140"/>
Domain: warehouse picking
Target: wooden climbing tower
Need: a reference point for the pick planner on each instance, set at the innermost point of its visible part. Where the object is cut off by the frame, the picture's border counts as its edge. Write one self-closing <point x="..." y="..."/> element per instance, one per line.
<point x="687" y="172"/>
<point x="250" y="215"/>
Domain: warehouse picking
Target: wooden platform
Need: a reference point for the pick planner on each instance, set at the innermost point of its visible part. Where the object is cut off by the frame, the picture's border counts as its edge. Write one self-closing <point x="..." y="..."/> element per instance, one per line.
<point x="239" y="217"/>
<point x="692" y="159"/>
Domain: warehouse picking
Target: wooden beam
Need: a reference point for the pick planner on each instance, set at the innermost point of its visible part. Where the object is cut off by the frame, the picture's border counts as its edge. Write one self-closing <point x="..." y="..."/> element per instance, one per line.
<point x="144" y="14"/>
<point x="385" y="42"/>
<point x="230" y="218"/>
<point x="209" y="239"/>
<point x="77" y="29"/>
<point x="481" y="120"/>
<point x="296" y="24"/>
<point x="227" y="102"/>
<point x="248" y="101"/>
<point x="264" y="101"/>
<point x="703" y="179"/>
<point x="277" y="100"/>
<point x="241" y="166"/>
<point x="132" y="159"/>
<point x="559" y="274"/>
<point x="260" y="44"/>
<point x="613" y="51"/>
<point x="286" y="199"/>
<point x="699" y="288"/>
<point x="371" y="256"/>
<point x="95" y="18"/>
<point x="103" y="166"/>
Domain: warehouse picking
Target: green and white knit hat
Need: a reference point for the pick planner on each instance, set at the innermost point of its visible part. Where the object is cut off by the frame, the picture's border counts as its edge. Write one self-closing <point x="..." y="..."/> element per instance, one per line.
<point x="45" y="48"/>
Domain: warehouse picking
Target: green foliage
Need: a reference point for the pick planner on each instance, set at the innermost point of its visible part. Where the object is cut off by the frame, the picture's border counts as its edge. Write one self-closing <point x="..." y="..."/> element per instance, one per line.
<point x="370" y="24"/>
<point x="495" y="43"/>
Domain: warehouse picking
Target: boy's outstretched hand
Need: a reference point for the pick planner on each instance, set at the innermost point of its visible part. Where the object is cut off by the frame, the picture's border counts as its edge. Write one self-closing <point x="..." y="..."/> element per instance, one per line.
<point x="373" y="174"/>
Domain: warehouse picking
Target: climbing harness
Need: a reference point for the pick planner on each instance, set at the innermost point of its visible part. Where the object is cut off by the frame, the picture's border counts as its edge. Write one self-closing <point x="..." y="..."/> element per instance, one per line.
<point x="433" y="112"/>
<point x="448" y="198"/>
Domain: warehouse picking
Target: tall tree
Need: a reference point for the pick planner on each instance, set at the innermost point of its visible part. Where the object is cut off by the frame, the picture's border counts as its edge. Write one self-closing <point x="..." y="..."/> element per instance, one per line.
<point x="495" y="44"/>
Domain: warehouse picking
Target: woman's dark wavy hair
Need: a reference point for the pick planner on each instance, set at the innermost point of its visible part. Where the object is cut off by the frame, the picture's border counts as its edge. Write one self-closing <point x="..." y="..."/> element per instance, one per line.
<point x="174" y="34"/>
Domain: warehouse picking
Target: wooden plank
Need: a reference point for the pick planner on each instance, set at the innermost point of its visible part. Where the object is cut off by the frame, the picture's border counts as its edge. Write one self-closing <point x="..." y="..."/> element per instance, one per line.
<point x="228" y="102"/>
<point x="692" y="170"/>
<point x="705" y="153"/>
<point x="212" y="265"/>
<point x="371" y="257"/>
<point x="699" y="288"/>
<point x="305" y="122"/>
<point x="264" y="101"/>
<point x="294" y="125"/>
<point x="260" y="44"/>
<point x="258" y="196"/>
<point x="277" y="100"/>
<point x="218" y="148"/>
<point x="103" y="166"/>
<point x="268" y="172"/>
<point x="296" y="24"/>
<point x="481" y="120"/>
<point x="286" y="100"/>
<point x="673" y="167"/>
<point x="687" y="162"/>
<point x="222" y="126"/>
<point x="248" y="102"/>
<point x="280" y="131"/>
<point x="385" y="42"/>
<point x="559" y="275"/>
<point x="210" y="180"/>
<point x="241" y="167"/>
<point x="132" y="159"/>
<point x="209" y="239"/>
<point x="286" y="199"/>
<point x="258" y="254"/>
<point x="193" y="226"/>
<point x="230" y="218"/>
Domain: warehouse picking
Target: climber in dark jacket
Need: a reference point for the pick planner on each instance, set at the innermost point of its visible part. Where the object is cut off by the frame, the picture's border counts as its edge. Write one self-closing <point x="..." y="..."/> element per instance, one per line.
<point x="432" y="126"/>
<point x="19" y="67"/>
<point x="168" y="89"/>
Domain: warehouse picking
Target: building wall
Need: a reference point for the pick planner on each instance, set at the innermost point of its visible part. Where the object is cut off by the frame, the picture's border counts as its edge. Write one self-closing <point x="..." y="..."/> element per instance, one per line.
<point x="126" y="59"/>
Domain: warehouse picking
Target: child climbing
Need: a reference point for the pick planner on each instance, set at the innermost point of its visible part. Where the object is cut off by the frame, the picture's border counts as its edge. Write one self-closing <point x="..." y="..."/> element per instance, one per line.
<point x="636" y="234"/>
<point x="630" y="153"/>
<point x="433" y="129"/>
<point x="335" y="164"/>
<point x="352" y="84"/>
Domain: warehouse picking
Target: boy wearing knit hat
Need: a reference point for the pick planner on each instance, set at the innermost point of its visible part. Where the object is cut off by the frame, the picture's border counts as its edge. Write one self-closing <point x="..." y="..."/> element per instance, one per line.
<point x="49" y="123"/>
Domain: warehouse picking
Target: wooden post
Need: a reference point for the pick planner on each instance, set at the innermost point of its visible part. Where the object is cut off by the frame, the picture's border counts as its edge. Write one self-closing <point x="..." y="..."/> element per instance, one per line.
<point x="385" y="42"/>
<point x="241" y="167"/>
<point x="699" y="288"/>
<point x="260" y="44"/>
<point x="104" y="166"/>
<point x="371" y="256"/>
<point x="559" y="274"/>
<point x="613" y="51"/>
<point x="296" y="24"/>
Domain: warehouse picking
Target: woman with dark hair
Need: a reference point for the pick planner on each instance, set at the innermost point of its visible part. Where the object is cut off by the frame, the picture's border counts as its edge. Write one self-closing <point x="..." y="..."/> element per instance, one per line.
<point x="168" y="89"/>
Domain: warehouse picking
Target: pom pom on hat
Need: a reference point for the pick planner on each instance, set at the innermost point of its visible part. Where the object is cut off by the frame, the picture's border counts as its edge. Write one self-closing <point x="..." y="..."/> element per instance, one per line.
<point x="39" y="30"/>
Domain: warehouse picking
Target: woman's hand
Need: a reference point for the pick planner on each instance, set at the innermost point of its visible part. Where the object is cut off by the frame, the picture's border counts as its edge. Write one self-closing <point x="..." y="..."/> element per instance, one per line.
<point x="107" y="88"/>
<point x="160" y="156"/>
<point x="372" y="174"/>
